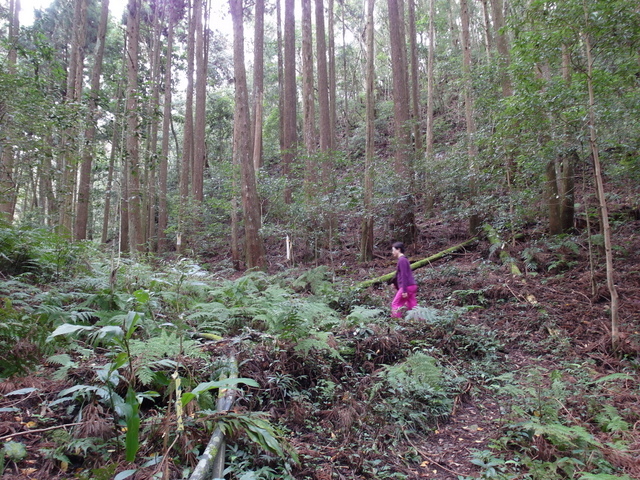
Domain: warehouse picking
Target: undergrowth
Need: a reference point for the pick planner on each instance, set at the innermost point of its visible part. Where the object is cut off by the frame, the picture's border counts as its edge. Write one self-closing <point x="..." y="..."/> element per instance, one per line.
<point x="141" y="351"/>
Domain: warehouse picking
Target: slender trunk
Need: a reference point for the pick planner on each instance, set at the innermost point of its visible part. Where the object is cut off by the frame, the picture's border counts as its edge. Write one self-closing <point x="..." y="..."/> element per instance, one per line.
<point x="187" y="144"/>
<point x="70" y="147"/>
<point x="308" y="96"/>
<point x="281" y="113"/>
<point x="290" y="135"/>
<point x="323" y="94"/>
<point x="367" y="238"/>
<point x="152" y="142"/>
<point x="474" y="218"/>
<point x="429" y="197"/>
<point x="199" y="150"/>
<point x="415" y="88"/>
<point x="163" y="215"/>
<point x="488" y="39"/>
<point x="403" y="226"/>
<point x="7" y="161"/>
<point x="332" y="76"/>
<point x="553" y="199"/>
<point x="84" y="191"/>
<point x="604" y="210"/>
<point x="258" y="85"/>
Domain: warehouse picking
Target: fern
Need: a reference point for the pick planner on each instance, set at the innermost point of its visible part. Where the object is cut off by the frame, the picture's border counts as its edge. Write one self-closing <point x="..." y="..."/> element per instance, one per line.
<point x="318" y="342"/>
<point x="609" y="420"/>
<point x="361" y="314"/>
<point x="418" y="369"/>
<point x="314" y="281"/>
<point x="562" y="436"/>
<point x="413" y="392"/>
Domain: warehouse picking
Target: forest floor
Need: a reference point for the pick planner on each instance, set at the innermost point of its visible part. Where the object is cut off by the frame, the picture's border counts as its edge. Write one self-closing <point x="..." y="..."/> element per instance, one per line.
<point x="531" y="313"/>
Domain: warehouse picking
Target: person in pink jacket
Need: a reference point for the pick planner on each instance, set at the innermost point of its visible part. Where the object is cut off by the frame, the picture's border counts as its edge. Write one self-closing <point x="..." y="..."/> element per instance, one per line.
<point x="405" y="298"/>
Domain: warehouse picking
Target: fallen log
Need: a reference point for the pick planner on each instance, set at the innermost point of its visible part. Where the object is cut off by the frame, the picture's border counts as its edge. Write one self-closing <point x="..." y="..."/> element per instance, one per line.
<point x="211" y="464"/>
<point x="420" y="263"/>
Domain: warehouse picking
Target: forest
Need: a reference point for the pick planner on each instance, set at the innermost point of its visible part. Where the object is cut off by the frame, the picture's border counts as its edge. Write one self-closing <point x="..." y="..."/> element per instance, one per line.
<point x="198" y="200"/>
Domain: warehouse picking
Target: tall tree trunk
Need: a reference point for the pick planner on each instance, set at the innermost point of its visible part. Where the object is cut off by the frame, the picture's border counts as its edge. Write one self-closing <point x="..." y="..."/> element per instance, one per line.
<point x="488" y="38"/>
<point x="569" y="159"/>
<point x="242" y="146"/>
<point x="187" y="143"/>
<point x="84" y="191"/>
<point x="153" y="107"/>
<point x="134" y="194"/>
<point x="280" y="42"/>
<point x="367" y="238"/>
<point x="474" y="218"/>
<point x="115" y="148"/>
<point x="430" y="158"/>
<point x="289" y="108"/>
<point x="403" y="226"/>
<point x="333" y="115"/>
<point x="199" y="152"/>
<point x="604" y="209"/>
<point x="258" y="84"/>
<point x="66" y="185"/>
<point x="163" y="214"/>
<point x="415" y="87"/>
<point x="7" y="184"/>
<point x="323" y="92"/>
<point x="308" y="98"/>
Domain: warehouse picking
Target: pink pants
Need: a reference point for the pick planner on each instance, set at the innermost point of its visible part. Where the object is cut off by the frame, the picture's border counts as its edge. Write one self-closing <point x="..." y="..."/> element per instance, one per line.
<point x="399" y="305"/>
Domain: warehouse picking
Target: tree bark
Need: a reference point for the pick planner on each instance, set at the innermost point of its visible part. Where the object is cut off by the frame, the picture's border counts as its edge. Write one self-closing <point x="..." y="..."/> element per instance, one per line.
<point x="333" y="115"/>
<point x="290" y="135"/>
<point x="430" y="158"/>
<point x="258" y="84"/>
<point x="199" y="147"/>
<point x="415" y="87"/>
<point x="367" y="237"/>
<point x="242" y="146"/>
<point x="188" y="138"/>
<point x="163" y="215"/>
<point x="553" y="199"/>
<point x="474" y="218"/>
<point x="308" y="98"/>
<point x="7" y="183"/>
<point x="134" y="194"/>
<point x="84" y="190"/>
<point x="604" y="209"/>
<point x="66" y="185"/>
<point x="403" y="226"/>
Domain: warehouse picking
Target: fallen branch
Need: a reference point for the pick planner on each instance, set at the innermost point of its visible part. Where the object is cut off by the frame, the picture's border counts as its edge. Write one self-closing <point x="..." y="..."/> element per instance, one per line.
<point x="39" y="430"/>
<point x="212" y="459"/>
<point x="415" y="265"/>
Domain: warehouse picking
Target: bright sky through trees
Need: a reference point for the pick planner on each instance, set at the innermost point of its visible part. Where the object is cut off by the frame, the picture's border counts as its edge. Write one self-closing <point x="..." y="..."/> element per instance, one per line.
<point x="28" y="6"/>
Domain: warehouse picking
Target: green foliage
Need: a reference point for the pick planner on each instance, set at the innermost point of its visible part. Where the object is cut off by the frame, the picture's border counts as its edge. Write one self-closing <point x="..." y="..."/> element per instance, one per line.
<point x="259" y="430"/>
<point x="38" y="254"/>
<point x="14" y="451"/>
<point x="413" y="393"/>
<point x="22" y="340"/>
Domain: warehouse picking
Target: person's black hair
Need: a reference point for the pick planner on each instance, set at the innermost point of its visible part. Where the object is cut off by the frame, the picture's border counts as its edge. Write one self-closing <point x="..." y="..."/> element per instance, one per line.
<point x="399" y="246"/>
